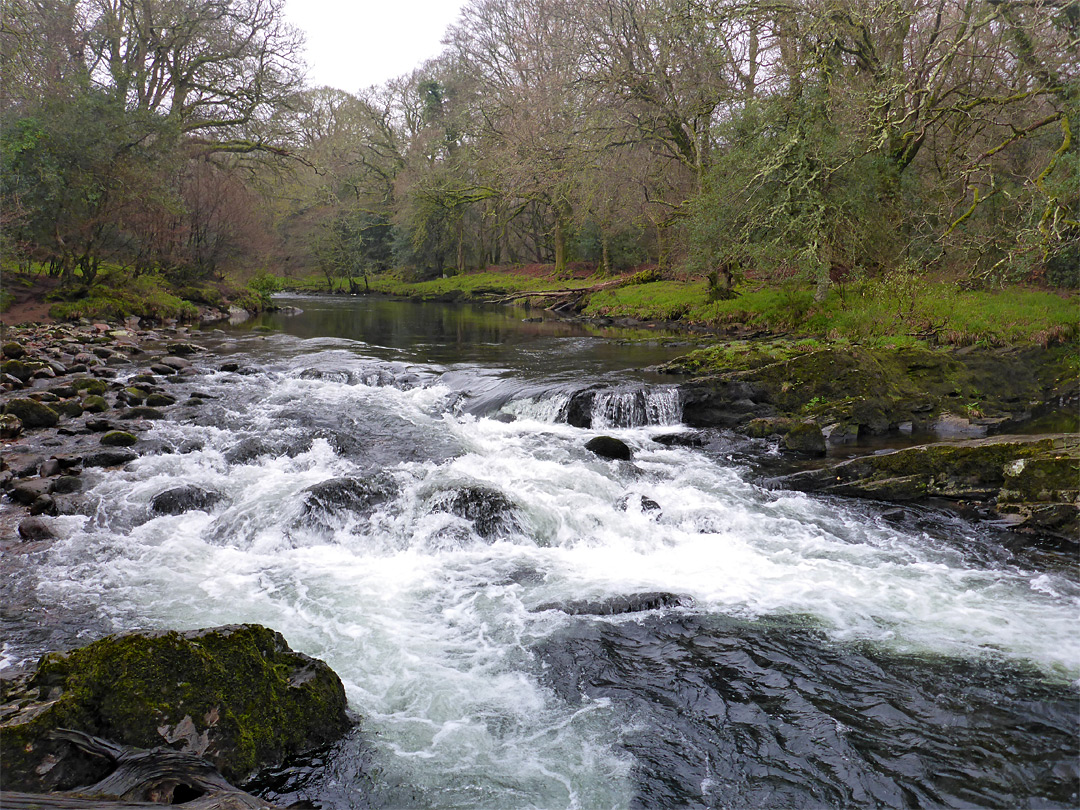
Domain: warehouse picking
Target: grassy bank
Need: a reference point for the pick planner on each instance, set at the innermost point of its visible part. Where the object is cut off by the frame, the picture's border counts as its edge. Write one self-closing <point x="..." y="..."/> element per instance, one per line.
<point x="898" y="310"/>
<point x="872" y="311"/>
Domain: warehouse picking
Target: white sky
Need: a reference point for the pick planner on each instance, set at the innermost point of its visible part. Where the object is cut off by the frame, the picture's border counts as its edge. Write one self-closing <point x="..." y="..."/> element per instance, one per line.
<point x="357" y="43"/>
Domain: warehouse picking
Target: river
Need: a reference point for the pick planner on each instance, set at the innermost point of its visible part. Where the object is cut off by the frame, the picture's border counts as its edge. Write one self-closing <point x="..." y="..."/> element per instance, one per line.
<point x="465" y="570"/>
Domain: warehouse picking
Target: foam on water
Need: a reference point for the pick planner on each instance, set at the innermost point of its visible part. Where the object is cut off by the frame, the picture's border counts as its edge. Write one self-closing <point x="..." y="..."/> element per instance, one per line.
<point x="431" y="626"/>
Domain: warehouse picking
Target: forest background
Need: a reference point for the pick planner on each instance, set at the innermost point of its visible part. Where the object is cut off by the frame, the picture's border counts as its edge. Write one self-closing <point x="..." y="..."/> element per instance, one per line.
<point x="748" y="146"/>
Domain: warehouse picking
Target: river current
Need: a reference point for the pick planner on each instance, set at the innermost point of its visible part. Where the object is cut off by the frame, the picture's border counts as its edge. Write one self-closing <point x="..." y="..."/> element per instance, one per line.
<point x="522" y="624"/>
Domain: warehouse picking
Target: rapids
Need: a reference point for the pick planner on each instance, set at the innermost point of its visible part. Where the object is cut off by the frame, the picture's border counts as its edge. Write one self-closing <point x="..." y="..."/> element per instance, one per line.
<point x="820" y="653"/>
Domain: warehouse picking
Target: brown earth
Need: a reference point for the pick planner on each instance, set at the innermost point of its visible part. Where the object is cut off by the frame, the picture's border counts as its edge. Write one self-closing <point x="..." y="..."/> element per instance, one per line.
<point x="29" y="305"/>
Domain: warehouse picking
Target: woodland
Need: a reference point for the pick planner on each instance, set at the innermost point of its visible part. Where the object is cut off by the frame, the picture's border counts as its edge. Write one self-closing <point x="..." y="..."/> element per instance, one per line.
<point x="806" y="140"/>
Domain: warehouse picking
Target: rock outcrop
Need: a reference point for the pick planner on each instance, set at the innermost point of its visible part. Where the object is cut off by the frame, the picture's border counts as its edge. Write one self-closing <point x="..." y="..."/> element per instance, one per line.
<point x="1032" y="481"/>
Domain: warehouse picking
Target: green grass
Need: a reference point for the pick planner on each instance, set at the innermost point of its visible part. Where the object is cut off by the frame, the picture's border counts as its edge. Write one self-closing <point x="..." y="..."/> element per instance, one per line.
<point x="471" y="285"/>
<point x="117" y="294"/>
<point x="872" y="312"/>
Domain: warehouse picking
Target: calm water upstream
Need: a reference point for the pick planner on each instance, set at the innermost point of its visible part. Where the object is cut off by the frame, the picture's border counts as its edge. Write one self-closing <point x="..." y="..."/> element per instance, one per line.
<point x="819" y="653"/>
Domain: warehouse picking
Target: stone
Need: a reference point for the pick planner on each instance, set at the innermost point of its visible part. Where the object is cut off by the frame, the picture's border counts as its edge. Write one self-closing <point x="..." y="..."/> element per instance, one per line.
<point x="118" y="438"/>
<point x="69" y="407"/>
<point x="163" y="370"/>
<point x="109" y="457"/>
<point x="66" y="485"/>
<point x="181" y="349"/>
<point x="91" y="385"/>
<point x="236" y="696"/>
<point x="34" y="528"/>
<point x="28" y="491"/>
<point x="805" y="438"/>
<point x="17" y="369"/>
<point x="160" y="400"/>
<point x="13" y="350"/>
<point x="141" y="412"/>
<point x="490" y="512"/>
<point x="609" y="447"/>
<point x="178" y="500"/>
<point x="32" y="414"/>
<point x="339" y="497"/>
<point x="44" y="505"/>
<point x="617" y="605"/>
<point x="10" y="426"/>
<point x="95" y="404"/>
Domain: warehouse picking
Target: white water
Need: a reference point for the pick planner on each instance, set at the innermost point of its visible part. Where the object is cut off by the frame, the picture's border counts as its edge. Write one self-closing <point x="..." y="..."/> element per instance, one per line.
<point x="430" y="626"/>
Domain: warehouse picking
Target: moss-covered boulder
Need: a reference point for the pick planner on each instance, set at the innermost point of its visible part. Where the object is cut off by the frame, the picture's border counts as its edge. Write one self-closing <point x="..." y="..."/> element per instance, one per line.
<point x="95" y="404"/>
<point x="119" y="438"/>
<point x="236" y="696"/>
<point x="31" y="413"/>
<point x="92" y="385"/>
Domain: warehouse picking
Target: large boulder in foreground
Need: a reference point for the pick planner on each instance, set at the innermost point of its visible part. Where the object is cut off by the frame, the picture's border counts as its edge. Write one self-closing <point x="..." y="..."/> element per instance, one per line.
<point x="236" y="696"/>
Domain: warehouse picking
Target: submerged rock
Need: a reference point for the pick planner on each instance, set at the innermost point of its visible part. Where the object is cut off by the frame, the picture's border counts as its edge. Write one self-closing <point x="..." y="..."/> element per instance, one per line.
<point x="329" y="500"/>
<point x="609" y="447"/>
<point x="490" y="512"/>
<point x="178" y="500"/>
<point x="616" y="605"/>
<point x="236" y="696"/>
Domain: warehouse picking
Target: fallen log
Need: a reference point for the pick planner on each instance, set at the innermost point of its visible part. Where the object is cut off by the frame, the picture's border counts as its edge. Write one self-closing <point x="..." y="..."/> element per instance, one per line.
<point x="140" y="778"/>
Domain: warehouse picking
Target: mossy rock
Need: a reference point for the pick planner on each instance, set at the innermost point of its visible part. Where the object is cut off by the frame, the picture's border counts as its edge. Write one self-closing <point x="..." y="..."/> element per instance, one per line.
<point x="1017" y="469"/>
<point x="92" y="385"/>
<point x="10" y="426"/>
<point x="136" y="396"/>
<point x="805" y="438"/>
<point x="237" y="696"/>
<point x="118" y="438"/>
<point x="31" y="413"/>
<point x="69" y="407"/>
<point x="95" y="404"/>
<point x="160" y="400"/>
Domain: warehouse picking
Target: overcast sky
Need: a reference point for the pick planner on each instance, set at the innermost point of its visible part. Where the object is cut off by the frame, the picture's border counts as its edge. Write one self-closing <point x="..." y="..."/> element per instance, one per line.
<point x="356" y="43"/>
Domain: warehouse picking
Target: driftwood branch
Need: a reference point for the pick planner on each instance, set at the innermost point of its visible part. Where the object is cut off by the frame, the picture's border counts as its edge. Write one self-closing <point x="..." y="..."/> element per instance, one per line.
<point x="141" y="779"/>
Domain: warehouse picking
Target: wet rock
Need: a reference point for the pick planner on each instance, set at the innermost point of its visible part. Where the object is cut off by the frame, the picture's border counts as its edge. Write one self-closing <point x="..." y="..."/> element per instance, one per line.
<point x="17" y="369"/>
<point x="13" y="350"/>
<point x="684" y="439"/>
<point x="578" y="410"/>
<point x="178" y="500"/>
<point x="609" y="447"/>
<point x="118" y="438"/>
<point x="66" y="485"/>
<point x="160" y="400"/>
<point x="329" y="500"/>
<point x="133" y="395"/>
<point x="34" y="528"/>
<point x="180" y="349"/>
<point x="49" y="468"/>
<point x="91" y="385"/>
<point x="141" y="412"/>
<point x="109" y="457"/>
<point x="63" y="391"/>
<point x="616" y="605"/>
<point x="236" y="696"/>
<point x="163" y="370"/>
<point x="44" y="505"/>
<point x="1016" y="475"/>
<point x="247" y="450"/>
<point x="490" y="512"/>
<point x="28" y="491"/>
<point x="70" y="408"/>
<point x="805" y="438"/>
<point x="95" y="404"/>
<point x="643" y="503"/>
<point x="100" y="425"/>
<point x="31" y="413"/>
<point x="230" y="366"/>
<point x="10" y="426"/>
